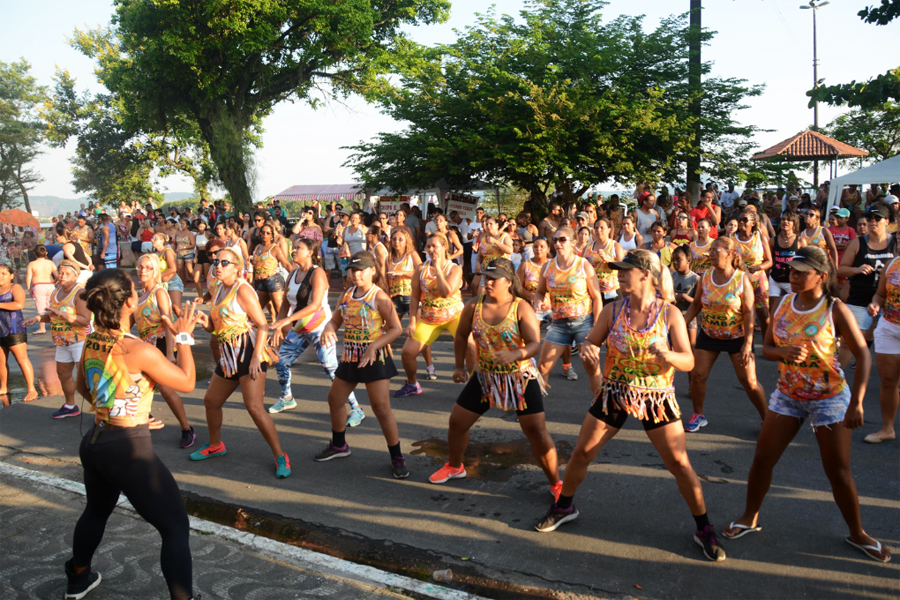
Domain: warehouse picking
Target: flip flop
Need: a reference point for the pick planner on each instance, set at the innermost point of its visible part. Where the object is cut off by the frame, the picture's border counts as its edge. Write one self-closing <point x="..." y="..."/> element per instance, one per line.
<point x="869" y="550"/>
<point x="874" y="438"/>
<point x="742" y="530"/>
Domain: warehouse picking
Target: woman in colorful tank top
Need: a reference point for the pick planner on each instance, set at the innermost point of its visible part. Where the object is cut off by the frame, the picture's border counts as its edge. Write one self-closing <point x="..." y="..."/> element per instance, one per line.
<point x="153" y="305"/>
<point x="300" y="324"/>
<point x="818" y="236"/>
<point x="267" y="281"/>
<point x="804" y="340"/>
<point x="13" y="335"/>
<point x="724" y="305"/>
<point x="435" y="304"/>
<point x="117" y="375"/>
<point x="171" y="281"/>
<point x="376" y="246"/>
<point x="70" y="322"/>
<point x="370" y="325"/>
<point x="529" y="274"/>
<point x="753" y="245"/>
<point x="491" y="244"/>
<point x="887" y="349"/>
<point x="603" y="251"/>
<point x="575" y="303"/>
<point x="700" y="261"/>
<point x="646" y="342"/>
<point x="507" y="337"/>
<point x="239" y="325"/>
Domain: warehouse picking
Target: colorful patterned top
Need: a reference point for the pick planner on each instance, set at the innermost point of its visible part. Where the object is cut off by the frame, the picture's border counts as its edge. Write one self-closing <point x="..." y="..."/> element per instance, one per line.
<point x="752" y="250"/>
<point x="819" y="375"/>
<point x="634" y="380"/>
<point x="117" y="396"/>
<point x="62" y="332"/>
<point x="568" y="289"/>
<point x="892" y="301"/>
<point x="700" y="261"/>
<point x="433" y="309"/>
<point x="491" y="251"/>
<point x="502" y="386"/>
<point x="401" y="285"/>
<point x="264" y="262"/>
<point x="231" y="327"/>
<point x="817" y="239"/>
<point x="363" y="324"/>
<point x="532" y="279"/>
<point x="721" y="317"/>
<point x="82" y="233"/>
<point x="148" y="320"/>
<point x="607" y="278"/>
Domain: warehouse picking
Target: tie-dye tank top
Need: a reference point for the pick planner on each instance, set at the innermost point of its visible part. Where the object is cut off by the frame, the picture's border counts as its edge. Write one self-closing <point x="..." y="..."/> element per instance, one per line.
<point x="608" y="279"/>
<point x="434" y="309"/>
<point x="148" y="320"/>
<point x="264" y="263"/>
<point x="700" y="261"/>
<point x="721" y="317"/>
<point x="117" y="396"/>
<point x="400" y="285"/>
<point x="817" y="239"/>
<point x="532" y="274"/>
<point x="231" y="327"/>
<point x="751" y="250"/>
<point x="568" y="289"/>
<point x="62" y="332"/>
<point x="892" y="302"/>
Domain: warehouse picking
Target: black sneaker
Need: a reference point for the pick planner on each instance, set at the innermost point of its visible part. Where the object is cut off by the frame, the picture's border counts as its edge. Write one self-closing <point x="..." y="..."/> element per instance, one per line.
<point x="79" y="585"/>
<point x="707" y="539"/>
<point x="398" y="466"/>
<point x="555" y="517"/>
<point x="187" y="438"/>
<point x="332" y="451"/>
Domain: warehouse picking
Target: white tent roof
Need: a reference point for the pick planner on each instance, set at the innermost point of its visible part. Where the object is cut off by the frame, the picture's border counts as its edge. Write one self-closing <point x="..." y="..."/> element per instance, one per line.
<point x="887" y="171"/>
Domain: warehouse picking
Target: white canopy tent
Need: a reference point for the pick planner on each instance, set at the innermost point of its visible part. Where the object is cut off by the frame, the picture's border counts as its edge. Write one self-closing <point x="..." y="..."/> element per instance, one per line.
<point x="887" y="171"/>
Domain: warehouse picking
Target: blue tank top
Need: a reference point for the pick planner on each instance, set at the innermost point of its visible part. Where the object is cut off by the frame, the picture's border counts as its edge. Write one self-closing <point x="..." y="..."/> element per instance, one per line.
<point x="113" y="248"/>
<point x="11" y="321"/>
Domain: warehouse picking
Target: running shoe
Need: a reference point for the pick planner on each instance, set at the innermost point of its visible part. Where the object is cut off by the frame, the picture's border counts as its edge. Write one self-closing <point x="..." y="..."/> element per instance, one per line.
<point x="570" y="374"/>
<point x="282" y="466"/>
<point x="64" y="412"/>
<point x="555" y="517"/>
<point x="283" y="404"/>
<point x="429" y="373"/>
<point x="695" y="423"/>
<point x="446" y="473"/>
<point x="556" y="490"/>
<point x="332" y="451"/>
<point x="707" y="539"/>
<point x="187" y="438"/>
<point x="398" y="467"/>
<point x="355" y="416"/>
<point x="80" y="584"/>
<point x="207" y="452"/>
<point x="408" y="389"/>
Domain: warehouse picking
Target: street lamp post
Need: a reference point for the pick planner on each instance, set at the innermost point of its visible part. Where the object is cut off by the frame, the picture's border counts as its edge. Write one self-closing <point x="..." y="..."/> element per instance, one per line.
<point x="814" y="6"/>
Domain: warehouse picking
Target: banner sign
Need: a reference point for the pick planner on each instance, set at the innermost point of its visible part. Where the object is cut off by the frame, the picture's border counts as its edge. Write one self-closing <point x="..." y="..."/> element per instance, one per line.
<point x="464" y="205"/>
<point x="391" y="204"/>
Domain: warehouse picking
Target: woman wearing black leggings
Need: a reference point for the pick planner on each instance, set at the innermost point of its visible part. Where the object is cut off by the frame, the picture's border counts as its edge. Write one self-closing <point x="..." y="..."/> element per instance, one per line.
<point x="117" y="375"/>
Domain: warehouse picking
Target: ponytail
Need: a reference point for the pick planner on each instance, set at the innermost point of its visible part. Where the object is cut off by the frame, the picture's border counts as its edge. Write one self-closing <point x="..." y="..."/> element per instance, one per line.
<point x="105" y="294"/>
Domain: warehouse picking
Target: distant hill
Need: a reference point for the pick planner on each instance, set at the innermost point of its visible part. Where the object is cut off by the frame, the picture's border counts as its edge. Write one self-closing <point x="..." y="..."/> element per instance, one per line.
<point x="49" y="206"/>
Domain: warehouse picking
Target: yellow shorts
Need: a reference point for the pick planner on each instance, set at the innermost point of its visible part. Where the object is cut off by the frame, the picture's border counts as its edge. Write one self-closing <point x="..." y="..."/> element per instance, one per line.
<point x="428" y="333"/>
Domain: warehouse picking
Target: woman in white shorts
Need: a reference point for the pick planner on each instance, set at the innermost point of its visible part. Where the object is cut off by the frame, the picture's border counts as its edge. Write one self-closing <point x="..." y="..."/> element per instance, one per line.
<point x="70" y="323"/>
<point x="887" y="349"/>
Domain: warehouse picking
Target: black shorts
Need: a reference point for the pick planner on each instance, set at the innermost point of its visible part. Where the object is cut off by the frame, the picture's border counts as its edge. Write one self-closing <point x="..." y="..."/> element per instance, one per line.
<point x="615" y="417"/>
<point x="471" y="398"/>
<point x="13" y="339"/>
<point x="401" y="305"/>
<point x="704" y="342"/>
<point x="269" y="285"/>
<point x="202" y="257"/>
<point x="349" y="372"/>
<point x="243" y="367"/>
<point x="136" y="247"/>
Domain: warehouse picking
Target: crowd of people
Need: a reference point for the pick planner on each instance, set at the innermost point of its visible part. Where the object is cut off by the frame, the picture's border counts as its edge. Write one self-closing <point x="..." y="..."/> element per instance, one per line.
<point x="638" y="294"/>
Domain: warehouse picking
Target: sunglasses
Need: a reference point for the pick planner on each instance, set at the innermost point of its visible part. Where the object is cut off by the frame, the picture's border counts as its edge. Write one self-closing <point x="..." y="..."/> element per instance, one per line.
<point x="222" y="263"/>
<point x="745" y="220"/>
<point x="260" y="220"/>
<point x="682" y="217"/>
<point x="875" y="218"/>
<point x="560" y="240"/>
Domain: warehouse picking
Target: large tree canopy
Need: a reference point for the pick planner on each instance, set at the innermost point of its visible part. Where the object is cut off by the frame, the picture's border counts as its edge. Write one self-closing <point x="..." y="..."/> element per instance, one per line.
<point x="877" y="131"/>
<point x="20" y="132"/>
<point x="555" y="99"/>
<point x="224" y="64"/>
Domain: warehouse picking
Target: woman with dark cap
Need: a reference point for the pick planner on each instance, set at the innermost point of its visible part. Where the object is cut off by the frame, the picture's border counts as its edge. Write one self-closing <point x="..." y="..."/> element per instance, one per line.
<point x="507" y="337"/>
<point x="803" y="339"/>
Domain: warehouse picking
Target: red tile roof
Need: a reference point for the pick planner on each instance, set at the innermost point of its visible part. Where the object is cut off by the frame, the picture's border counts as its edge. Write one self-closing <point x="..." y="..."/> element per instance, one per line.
<point x="810" y="145"/>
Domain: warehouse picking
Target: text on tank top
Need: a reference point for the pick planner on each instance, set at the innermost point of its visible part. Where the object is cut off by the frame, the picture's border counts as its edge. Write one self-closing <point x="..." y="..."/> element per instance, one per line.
<point x="363" y="324"/>
<point x="434" y="309"/>
<point x="568" y="289"/>
<point x="721" y="317"/>
<point x="863" y="287"/>
<point x="117" y="396"/>
<point x="62" y="332"/>
<point x="781" y="258"/>
<point x="401" y="285"/>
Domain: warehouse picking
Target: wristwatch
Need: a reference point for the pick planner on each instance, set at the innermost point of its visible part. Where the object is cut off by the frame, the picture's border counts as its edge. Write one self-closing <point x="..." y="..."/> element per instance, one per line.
<point x="185" y="339"/>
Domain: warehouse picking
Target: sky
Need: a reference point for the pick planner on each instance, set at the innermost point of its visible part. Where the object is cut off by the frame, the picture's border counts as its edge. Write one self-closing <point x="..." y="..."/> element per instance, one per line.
<point x="763" y="41"/>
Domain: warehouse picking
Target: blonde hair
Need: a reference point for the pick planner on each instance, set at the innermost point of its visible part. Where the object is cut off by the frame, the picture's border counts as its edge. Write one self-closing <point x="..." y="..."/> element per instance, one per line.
<point x="737" y="262"/>
<point x="69" y="263"/>
<point x="238" y="259"/>
<point x="160" y="236"/>
<point x="442" y="238"/>
<point x="662" y="279"/>
<point x="155" y="264"/>
<point x="568" y="231"/>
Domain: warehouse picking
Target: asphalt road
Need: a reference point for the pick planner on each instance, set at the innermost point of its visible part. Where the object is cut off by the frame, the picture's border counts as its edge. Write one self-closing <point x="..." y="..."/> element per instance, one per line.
<point x="634" y="536"/>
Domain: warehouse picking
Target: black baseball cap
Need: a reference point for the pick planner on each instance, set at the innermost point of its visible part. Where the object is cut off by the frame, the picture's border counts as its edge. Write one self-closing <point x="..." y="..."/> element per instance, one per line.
<point x="879" y="210"/>
<point x="361" y="260"/>
<point x="500" y="267"/>
<point x="635" y="260"/>
<point x="810" y="258"/>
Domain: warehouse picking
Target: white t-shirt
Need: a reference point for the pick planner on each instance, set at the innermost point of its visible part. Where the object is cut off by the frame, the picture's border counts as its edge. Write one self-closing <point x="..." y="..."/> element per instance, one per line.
<point x="430" y="226"/>
<point x="728" y="198"/>
<point x="472" y="229"/>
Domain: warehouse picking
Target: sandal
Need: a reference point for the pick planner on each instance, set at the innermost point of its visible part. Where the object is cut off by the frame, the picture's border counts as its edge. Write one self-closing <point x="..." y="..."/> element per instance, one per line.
<point x="156" y="423"/>
<point x="742" y="530"/>
<point x="875" y="552"/>
<point x="874" y="438"/>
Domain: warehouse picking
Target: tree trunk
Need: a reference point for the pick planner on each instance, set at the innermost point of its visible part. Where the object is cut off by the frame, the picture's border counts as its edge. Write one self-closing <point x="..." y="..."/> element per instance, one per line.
<point x="25" y="198"/>
<point x="225" y="133"/>
<point x="695" y="69"/>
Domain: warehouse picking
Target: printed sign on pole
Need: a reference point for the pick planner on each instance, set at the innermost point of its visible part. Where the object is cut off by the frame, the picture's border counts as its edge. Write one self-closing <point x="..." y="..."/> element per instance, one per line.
<point x="464" y="205"/>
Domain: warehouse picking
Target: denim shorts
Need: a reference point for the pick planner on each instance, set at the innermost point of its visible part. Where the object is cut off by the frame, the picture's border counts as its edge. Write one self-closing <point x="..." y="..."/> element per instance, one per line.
<point x="564" y="332"/>
<point x="821" y="413"/>
<point x="544" y="316"/>
<point x="270" y="284"/>
<point x="863" y="319"/>
<point x="186" y="257"/>
<point x="174" y="285"/>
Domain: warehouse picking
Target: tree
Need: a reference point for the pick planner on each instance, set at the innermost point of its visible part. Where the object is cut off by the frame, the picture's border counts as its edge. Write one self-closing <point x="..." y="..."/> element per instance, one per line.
<point x="20" y="132"/>
<point x="224" y="65"/>
<point x="877" y="131"/>
<point x="875" y="92"/>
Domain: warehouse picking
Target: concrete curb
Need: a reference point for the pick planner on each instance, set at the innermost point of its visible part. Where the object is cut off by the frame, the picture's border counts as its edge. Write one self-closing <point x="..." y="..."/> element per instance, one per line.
<point x="285" y="552"/>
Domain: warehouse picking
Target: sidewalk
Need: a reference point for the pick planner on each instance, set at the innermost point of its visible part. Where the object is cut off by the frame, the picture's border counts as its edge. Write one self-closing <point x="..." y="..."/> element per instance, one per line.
<point x="36" y="523"/>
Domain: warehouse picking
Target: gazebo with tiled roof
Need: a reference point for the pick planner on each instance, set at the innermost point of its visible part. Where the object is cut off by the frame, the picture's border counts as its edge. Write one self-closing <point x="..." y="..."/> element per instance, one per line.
<point x="810" y="145"/>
